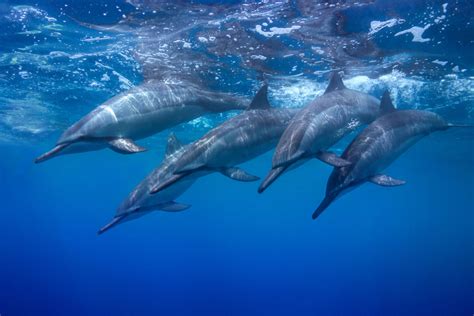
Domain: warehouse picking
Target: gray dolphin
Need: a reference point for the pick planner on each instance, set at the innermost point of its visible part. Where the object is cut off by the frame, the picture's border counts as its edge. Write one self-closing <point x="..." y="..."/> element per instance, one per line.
<point x="376" y="147"/>
<point x="140" y="202"/>
<point x="138" y="113"/>
<point x="237" y="140"/>
<point x="321" y="124"/>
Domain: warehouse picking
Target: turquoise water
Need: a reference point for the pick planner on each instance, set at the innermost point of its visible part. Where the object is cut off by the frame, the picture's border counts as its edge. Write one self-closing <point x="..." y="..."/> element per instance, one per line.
<point x="407" y="250"/>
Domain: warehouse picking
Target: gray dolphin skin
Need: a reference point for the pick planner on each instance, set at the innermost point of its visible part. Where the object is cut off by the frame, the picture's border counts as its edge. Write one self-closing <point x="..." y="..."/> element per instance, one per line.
<point x="237" y="140"/>
<point x="376" y="147"/>
<point x="321" y="124"/>
<point x="138" y="113"/>
<point x="139" y="202"/>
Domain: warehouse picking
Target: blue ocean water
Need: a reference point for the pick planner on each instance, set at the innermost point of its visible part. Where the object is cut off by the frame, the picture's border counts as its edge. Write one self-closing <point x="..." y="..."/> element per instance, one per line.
<point x="407" y="250"/>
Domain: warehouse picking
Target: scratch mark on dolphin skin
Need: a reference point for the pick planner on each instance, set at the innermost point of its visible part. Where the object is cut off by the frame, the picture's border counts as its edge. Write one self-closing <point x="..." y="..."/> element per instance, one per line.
<point x="111" y="112"/>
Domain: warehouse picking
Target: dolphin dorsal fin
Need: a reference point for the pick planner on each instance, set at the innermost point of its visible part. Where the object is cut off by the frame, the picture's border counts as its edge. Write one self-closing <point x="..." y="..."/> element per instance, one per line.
<point x="335" y="83"/>
<point x="173" y="145"/>
<point x="260" y="101"/>
<point x="386" y="105"/>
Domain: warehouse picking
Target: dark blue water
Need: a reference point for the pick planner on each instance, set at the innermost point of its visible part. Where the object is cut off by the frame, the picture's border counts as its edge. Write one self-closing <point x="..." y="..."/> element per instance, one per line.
<point x="407" y="250"/>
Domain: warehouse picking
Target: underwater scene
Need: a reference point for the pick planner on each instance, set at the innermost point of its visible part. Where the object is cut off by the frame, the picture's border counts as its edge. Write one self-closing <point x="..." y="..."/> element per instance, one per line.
<point x="238" y="157"/>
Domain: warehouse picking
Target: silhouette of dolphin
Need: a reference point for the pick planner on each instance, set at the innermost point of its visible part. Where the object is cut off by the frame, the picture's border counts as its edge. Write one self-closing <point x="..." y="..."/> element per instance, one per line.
<point x="377" y="146"/>
<point x="138" y="113"/>
<point x="237" y="140"/>
<point x="321" y="124"/>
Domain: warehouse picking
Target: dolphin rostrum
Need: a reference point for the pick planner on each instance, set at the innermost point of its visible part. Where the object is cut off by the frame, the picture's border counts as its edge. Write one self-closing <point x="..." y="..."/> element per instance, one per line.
<point x="321" y="124"/>
<point x="140" y="202"/>
<point x="376" y="147"/>
<point x="237" y="140"/>
<point x="138" y="113"/>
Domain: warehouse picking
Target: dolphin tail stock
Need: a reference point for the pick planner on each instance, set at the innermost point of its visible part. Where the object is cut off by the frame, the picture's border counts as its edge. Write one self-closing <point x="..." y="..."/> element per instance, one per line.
<point x="50" y="154"/>
<point x="328" y="199"/>
<point x="271" y="177"/>
<point x="112" y="223"/>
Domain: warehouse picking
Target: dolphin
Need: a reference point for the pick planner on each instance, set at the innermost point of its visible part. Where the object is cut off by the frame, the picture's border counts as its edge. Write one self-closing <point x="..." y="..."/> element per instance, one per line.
<point x="321" y="124"/>
<point x="139" y="202"/>
<point x="376" y="147"/>
<point x="242" y="138"/>
<point x="138" y="113"/>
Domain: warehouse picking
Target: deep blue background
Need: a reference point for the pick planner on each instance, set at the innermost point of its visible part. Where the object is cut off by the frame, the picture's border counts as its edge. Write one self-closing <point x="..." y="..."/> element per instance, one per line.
<point x="399" y="251"/>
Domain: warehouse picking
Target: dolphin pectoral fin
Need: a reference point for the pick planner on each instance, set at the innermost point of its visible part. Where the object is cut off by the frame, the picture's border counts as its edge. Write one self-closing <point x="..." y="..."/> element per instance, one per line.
<point x="386" y="181"/>
<point x="173" y="207"/>
<point x="194" y="166"/>
<point x="238" y="174"/>
<point x="111" y="224"/>
<point x="289" y="160"/>
<point x="125" y="146"/>
<point x="271" y="177"/>
<point x="332" y="159"/>
<point x="167" y="183"/>
<point x="51" y="153"/>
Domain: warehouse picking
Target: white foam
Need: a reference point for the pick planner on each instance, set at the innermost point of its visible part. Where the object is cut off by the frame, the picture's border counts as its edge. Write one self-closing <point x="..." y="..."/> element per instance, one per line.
<point x="377" y="26"/>
<point x="261" y="57"/>
<point x="439" y="62"/>
<point x="276" y="30"/>
<point x="417" y="33"/>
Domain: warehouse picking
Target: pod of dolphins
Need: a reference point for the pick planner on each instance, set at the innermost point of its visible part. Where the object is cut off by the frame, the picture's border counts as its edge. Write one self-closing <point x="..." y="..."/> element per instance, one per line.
<point x="298" y="134"/>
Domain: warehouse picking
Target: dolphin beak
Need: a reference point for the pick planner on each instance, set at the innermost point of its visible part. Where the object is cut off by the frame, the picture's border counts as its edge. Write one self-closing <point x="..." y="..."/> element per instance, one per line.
<point x="50" y="154"/>
<point x="271" y="177"/>
<point x="328" y="199"/>
<point x="167" y="183"/>
<point x="112" y="223"/>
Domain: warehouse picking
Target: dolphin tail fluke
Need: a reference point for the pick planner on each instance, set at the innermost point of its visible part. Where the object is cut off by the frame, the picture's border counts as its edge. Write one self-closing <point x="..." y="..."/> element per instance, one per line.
<point x="111" y="224"/>
<point x="271" y="177"/>
<point x="324" y="204"/>
<point x="50" y="154"/>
